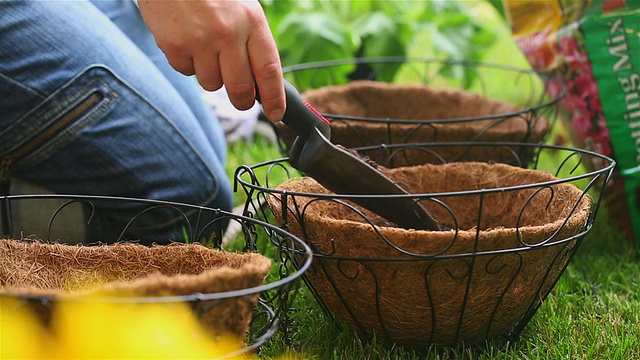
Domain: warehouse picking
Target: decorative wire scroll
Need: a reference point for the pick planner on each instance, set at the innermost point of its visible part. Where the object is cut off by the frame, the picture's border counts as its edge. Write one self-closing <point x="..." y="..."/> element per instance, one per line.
<point x="458" y="282"/>
<point x="537" y="96"/>
<point x="59" y="213"/>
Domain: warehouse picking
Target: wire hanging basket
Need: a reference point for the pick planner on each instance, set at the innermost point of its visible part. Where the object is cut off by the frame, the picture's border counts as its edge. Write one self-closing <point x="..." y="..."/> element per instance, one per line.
<point x="238" y="283"/>
<point x="510" y="233"/>
<point x="397" y="100"/>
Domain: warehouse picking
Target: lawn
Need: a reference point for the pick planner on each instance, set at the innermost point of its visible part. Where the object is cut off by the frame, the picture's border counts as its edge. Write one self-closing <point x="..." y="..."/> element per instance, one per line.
<point x="593" y="311"/>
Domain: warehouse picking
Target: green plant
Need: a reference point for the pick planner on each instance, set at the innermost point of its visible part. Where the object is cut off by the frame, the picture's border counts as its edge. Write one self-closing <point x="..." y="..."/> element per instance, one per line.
<point x="317" y="30"/>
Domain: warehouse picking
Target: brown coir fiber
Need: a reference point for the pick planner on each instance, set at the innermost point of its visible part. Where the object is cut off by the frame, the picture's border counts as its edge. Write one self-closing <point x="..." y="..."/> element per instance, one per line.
<point x="381" y="101"/>
<point x="29" y="267"/>
<point x="441" y="293"/>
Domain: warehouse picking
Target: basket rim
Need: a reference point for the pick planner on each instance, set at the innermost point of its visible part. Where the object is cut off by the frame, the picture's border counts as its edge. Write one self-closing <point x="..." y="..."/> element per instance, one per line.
<point x="438" y="257"/>
<point x="579" y="217"/>
<point x="301" y="249"/>
<point x="608" y="168"/>
<point x="467" y="63"/>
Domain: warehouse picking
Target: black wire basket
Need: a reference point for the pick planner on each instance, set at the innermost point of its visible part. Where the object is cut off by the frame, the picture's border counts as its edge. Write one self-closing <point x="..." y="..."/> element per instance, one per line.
<point x="53" y="223"/>
<point x="397" y="100"/>
<point x="510" y="233"/>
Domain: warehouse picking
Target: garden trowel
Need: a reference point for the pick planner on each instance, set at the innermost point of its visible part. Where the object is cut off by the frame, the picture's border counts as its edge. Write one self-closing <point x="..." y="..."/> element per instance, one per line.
<point x="344" y="171"/>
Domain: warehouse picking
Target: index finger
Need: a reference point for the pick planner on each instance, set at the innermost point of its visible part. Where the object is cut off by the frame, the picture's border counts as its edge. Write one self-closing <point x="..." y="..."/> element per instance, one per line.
<point x="267" y="71"/>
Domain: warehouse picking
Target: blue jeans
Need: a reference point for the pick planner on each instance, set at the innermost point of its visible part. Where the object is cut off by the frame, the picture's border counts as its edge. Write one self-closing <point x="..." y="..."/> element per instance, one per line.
<point x="90" y="105"/>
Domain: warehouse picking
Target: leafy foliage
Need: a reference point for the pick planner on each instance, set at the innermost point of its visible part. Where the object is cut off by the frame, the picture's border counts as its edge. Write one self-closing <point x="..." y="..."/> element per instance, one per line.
<point x="308" y="36"/>
<point x="317" y="30"/>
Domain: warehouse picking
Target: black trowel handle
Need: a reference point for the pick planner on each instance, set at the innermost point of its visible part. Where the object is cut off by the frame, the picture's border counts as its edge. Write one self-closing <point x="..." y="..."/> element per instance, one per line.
<point x="300" y="116"/>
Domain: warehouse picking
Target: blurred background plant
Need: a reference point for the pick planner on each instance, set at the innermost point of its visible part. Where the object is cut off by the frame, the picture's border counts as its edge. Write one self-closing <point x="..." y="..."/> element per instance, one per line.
<point x="317" y="30"/>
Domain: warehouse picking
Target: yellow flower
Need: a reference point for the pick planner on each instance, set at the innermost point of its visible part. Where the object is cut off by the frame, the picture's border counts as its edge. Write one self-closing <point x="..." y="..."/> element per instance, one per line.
<point x="21" y="334"/>
<point x="90" y="329"/>
<point x="111" y="330"/>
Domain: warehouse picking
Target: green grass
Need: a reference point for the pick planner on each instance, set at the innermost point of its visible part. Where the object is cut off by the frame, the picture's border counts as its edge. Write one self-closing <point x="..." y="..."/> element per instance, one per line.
<point x="251" y="153"/>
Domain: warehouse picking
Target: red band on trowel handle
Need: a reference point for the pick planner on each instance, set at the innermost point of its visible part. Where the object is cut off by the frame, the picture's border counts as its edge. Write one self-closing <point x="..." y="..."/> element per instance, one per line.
<point x="316" y="112"/>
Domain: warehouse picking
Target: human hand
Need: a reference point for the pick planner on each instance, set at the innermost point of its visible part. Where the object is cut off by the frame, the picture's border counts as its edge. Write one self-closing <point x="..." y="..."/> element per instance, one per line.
<point x="222" y="42"/>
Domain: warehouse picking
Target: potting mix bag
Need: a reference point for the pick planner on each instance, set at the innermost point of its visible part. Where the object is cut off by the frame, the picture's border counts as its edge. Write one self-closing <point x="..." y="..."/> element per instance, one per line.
<point x="594" y="46"/>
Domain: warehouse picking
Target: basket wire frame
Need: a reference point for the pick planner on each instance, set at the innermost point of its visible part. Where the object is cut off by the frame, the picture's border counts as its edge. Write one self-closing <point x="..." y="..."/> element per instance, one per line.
<point x="538" y="97"/>
<point x="276" y="294"/>
<point x="260" y="181"/>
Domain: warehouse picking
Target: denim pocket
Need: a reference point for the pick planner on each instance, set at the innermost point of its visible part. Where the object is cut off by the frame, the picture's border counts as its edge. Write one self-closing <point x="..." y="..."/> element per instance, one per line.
<point x="56" y="120"/>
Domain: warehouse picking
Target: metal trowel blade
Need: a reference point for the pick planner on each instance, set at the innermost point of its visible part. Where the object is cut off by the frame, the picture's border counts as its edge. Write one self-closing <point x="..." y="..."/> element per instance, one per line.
<point x="346" y="172"/>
